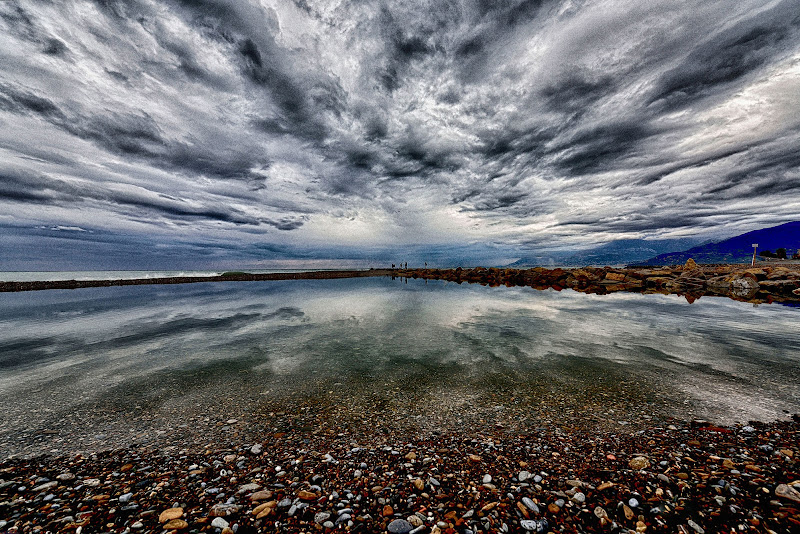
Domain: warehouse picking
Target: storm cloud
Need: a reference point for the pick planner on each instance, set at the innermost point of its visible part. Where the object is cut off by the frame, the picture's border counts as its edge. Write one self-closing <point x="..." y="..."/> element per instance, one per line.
<point x="240" y="130"/>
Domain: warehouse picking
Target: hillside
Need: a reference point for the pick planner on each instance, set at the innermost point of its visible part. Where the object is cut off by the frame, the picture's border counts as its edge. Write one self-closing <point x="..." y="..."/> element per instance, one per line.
<point x="618" y="252"/>
<point x="738" y="249"/>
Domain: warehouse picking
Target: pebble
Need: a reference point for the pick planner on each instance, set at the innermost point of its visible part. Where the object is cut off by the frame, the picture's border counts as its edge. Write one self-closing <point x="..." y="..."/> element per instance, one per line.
<point x="530" y="505"/>
<point x="535" y="525"/>
<point x="220" y="523"/>
<point x="787" y="492"/>
<point x="256" y="449"/>
<point x="697" y="528"/>
<point x="400" y="526"/>
<point x="169" y="514"/>
<point x="414" y="520"/>
<point x="321" y="517"/>
<point x="639" y="462"/>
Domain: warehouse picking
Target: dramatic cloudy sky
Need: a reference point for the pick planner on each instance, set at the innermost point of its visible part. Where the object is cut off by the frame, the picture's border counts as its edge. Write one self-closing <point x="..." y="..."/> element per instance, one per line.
<point x="143" y="133"/>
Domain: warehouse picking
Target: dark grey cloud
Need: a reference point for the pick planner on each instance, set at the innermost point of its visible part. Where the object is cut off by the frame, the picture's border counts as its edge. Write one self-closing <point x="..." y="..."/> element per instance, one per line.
<point x="311" y="126"/>
<point x="729" y="55"/>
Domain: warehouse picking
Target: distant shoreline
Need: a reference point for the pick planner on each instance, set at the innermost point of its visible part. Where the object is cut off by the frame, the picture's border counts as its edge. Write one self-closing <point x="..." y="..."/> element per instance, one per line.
<point x="11" y="287"/>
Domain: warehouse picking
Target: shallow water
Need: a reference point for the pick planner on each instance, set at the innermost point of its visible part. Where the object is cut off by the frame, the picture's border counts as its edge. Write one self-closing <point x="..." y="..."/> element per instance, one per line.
<point x="103" y="367"/>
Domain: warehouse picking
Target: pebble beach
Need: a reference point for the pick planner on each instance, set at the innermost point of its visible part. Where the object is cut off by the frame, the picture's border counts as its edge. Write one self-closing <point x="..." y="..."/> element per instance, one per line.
<point x="319" y="467"/>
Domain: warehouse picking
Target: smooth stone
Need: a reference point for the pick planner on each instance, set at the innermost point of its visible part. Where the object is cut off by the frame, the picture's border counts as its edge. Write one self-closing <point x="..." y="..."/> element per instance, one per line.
<point x="414" y="520"/>
<point x="175" y="524"/>
<point x="633" y="503"/>
<point x="530" y="505"/>
<point x="46" y="486"/>
<point x="535" y="525"/>
<point x="256" y="449"/>
<point x="125" y="497"/>
<point x="328" y="524"/>
<point x="523" y="476"/>
<point x="697" y="528"/>
<point x="170" y="514"/>
<point x="218" y="522"/>
<point x="787" y="492"/>
<point x="321" y="517"/>
<point x="579" y="498"/>
<point x="640" y="462"/>
<point x="487" y="479"/>
<point x="400" y="526"/>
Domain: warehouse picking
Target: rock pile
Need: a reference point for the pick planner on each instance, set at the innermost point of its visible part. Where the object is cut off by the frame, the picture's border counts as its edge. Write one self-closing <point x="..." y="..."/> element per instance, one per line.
<point x="757" y="285"/>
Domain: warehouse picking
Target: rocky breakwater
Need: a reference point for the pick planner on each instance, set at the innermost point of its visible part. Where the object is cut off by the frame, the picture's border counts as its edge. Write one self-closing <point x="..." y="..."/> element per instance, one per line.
<point x="762" y="284"/>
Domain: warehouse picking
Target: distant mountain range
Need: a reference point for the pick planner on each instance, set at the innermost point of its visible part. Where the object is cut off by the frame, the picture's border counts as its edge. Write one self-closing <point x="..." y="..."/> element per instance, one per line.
<point x="737" y="249"/>
<point x="620" y="252"/>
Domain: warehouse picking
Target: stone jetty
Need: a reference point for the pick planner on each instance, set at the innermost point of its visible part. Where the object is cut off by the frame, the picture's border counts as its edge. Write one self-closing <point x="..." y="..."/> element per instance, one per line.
<point x="760" y="284"/>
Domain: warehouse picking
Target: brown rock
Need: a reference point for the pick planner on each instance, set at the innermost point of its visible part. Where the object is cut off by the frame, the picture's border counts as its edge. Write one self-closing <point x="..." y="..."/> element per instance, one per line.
<point x="411" y="455"/>
<point x="475" y="458"/>
<point x="690" y="264"/>
<point x="262" y="495"/>
<point x="489" y="506"/>
<point x="553" y="508"/>
<point x="640" y="462"/>
<point x="787" y="492"/>
<point x="628" y="511"/>
<point x="260" y="508"/>
<point x="615" y="277"/>
<point x="419" y="484"/>
<point x="175" y="524"/>
<point x="307" y="495"/>
<point x="169" y="514"/>
<point x="523" y="510"/>
<point x="387" y="511"/>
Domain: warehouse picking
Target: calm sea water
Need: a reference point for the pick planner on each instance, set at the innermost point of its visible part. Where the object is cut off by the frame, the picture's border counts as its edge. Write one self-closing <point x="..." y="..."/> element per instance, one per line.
<point x="88" y="359"/>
